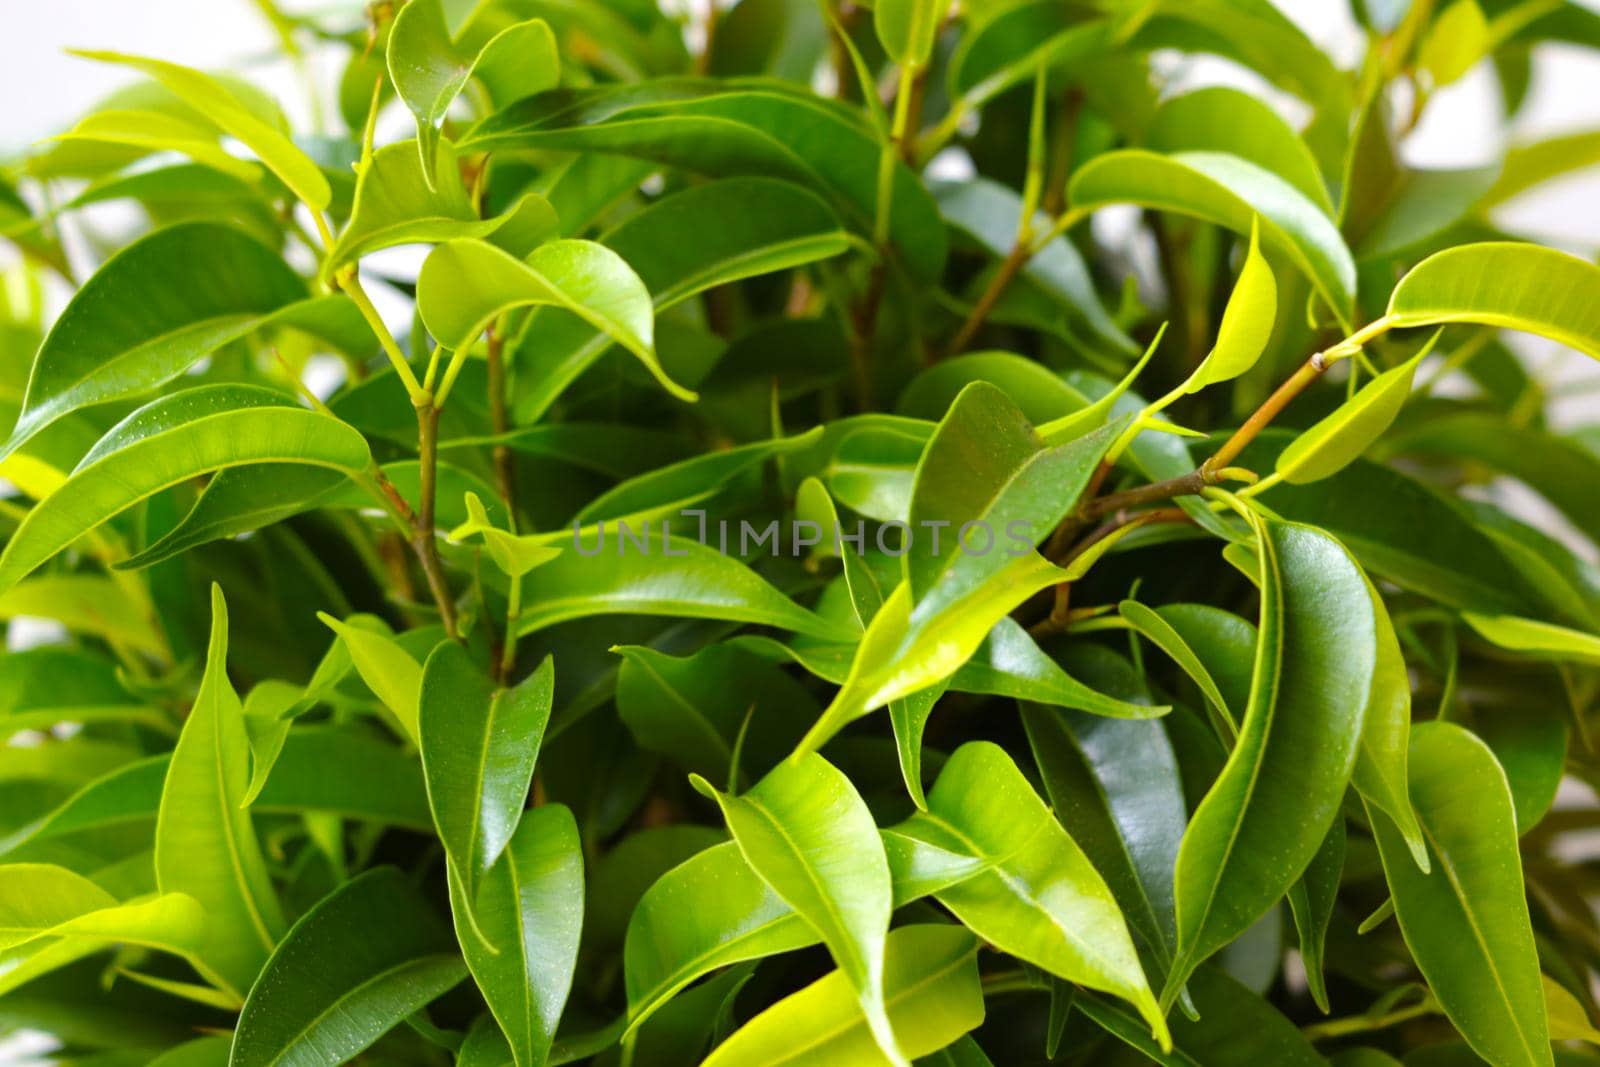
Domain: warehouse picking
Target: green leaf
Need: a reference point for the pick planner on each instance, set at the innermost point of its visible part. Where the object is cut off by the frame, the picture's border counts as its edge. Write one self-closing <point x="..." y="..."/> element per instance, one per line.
<point x="361" y="961"/>
<point x="1508" y="285"/>
<point x="806" y="832"/>
<point x="1247" y="321"/>
<point x="50" y="916"/>
<point x="1010" y="43"/>
<point x="931" y="992"/>
<point x="1117" y="785"/>
<point x="1228" y="191"/>
<point x="465" y="285"/>
<point x="1010" y="664"/>
<point x="693" y="709"/>
<point x="675" y="577"/>
<point x="149" y="313"/>
<point x="429" y="68"/>
<point x="968" y="592"/>
<point x="681" y="245"/>
<point x="205" y="843"/>
<point x="1458" y="38"/>
<point x="391" y="672"/>
<point x="1466" y="922"/>
<point x="478" y="747"/>
<point x="168" y="441"/>
<point x="515" y="555"/>
<point x="1038" y="897"/>
<point x="1223" y="119"/>
<point x="1160" y="632"/>
<point x="1312" y="900"/>
<point x="1558" y="467"/>
<point x="217" y="103"/>
<point x="397" y="204"/>
<point x="1235" y="1028"/>
<point x="1330" y="445"/>
<point x="1266" y="815"/>
<point x="703" y="127"/>
<point x="908" y="29"/>
<point x="1536" y="638"/>
<point x="1380" y="774"/>
<point x="1402" y="529"/>
<point x="529" y="907"/>
<point x="320" y="769"/>
<point x="709" y="911"/>
<point x="87" y="604"/>
<point x="238" y="500"/>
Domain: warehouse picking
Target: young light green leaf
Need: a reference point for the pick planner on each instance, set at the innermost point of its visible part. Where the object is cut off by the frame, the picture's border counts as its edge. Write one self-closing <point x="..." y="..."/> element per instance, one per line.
<point x="1466" y="922"/>
<point x="1505" y="284"/>
<point x="464" y="285"/>
<point x="515" y="555"/>
<point x="429" y="68"/>
<point x="1458" y="38"/>
<point x="168" y="441"/>
<point x="1536" y="638"/>
<point x="478" y="748"/>
<point x="154" y="131"/>
<point x="805" y="830"/>
<point x="907" y="29"/>
<point x="931" y="992"/>
<point x="529" y="906"/>
<point x="392" y="673"/>
<point x="1270" y="808"/>
<point x="1246" y="322"/>
<point x="1331" y="445"/>
<point x="50" y="916"/>
<point x="214" y="100"/>
<point x="1038" y="898"/>
<point x="396" y="204"/>
<point x="361" y="961"/>
<point x="205" y="842"/>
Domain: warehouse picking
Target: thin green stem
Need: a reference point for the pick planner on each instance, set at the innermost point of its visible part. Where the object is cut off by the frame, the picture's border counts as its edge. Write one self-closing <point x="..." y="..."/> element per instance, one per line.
<point x="425" y="538"/>
<point x="350" y="282"/>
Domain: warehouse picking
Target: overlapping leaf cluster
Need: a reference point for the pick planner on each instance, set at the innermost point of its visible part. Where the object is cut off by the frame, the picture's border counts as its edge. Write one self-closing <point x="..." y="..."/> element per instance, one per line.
<point x="365" y="731"/>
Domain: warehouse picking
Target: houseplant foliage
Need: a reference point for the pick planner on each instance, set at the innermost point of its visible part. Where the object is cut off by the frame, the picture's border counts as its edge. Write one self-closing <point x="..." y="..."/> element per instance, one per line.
<point x="369" y="731"/>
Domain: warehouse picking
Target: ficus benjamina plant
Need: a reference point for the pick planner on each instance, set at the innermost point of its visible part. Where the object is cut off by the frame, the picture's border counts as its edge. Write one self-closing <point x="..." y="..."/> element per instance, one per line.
<point x="779" y="573"/>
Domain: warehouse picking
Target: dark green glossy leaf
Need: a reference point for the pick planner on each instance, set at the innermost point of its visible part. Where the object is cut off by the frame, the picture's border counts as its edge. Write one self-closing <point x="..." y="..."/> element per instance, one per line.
<point x="1264" y="818"/>
<point x="1466" y="922"/>
<point x="521" y="939"/>
<point x="478" y="748"/>
<point x="356" y="965"/>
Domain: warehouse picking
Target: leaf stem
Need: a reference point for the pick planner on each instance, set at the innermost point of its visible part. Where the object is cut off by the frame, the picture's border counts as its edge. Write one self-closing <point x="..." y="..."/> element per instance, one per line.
<point x="504" y="470"/>
<point x="424" y="537"/>
<point x="350" y="282"/>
